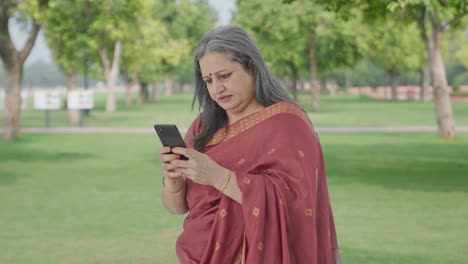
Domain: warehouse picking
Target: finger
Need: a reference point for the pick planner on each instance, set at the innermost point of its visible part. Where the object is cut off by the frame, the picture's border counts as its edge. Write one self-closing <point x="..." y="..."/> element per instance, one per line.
<point x="174" y="174"/>
<point x="168" y="157"/>
<point x="164" y="150"/>
<point x="181" y="163"/>
<point x="168" y="167"/>
<point x="181" y="151"/>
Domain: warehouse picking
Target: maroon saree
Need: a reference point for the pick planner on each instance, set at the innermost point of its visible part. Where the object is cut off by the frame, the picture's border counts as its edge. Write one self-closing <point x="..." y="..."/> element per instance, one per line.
<point x="285" y="215"/>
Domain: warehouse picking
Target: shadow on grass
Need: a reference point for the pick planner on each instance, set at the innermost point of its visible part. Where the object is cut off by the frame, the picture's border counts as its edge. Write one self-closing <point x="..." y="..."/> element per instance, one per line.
<point x="8" y="177"/>
<point x="358" y="256"/>
<point x="420" y="167"/>
<point x="33" y="155"/>
<point x="19" y="152"/>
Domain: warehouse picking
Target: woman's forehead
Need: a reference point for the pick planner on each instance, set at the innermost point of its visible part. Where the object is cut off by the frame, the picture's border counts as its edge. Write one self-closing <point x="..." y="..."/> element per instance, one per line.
<point x="213" y="62"/>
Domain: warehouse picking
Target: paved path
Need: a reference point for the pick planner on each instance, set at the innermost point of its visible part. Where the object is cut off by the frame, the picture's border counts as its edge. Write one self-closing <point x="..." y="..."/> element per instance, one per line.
<point x="141" y="130"/>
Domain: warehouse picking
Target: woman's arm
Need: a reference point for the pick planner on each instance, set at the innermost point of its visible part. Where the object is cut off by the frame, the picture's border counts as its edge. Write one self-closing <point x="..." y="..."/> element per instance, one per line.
<point x="228" y="186"/>
<point x="201" y="169"/>
<point x="173" y="185"/>
<point x="173" y="195"/>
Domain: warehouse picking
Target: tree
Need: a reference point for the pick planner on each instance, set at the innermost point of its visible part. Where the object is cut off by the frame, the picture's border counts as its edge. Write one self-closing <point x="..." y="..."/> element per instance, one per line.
<point x="441" y="16"/>
<point x="395" y="47"/>
<point x="109" y="24"/>
<point x="310" y="32"/>
<point x="435" y="17"/>
<point x="33" y="13"/>
<point x="186" y="21"/>
<point x="275" y="29"/>
<point x="64" y="31"/>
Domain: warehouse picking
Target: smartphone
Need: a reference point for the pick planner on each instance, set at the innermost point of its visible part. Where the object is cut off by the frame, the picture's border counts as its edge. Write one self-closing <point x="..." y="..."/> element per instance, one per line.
<point x="170" y="137"/>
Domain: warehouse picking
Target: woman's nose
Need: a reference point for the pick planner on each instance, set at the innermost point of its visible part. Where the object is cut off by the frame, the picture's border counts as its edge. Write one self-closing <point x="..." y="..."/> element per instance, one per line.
<point x="218" y="86"/>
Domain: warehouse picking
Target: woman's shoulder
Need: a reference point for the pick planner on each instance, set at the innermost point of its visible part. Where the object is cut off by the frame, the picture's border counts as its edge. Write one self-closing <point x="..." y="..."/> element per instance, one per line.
<point x="289" y="119"/>
<point x="287" y="110"/>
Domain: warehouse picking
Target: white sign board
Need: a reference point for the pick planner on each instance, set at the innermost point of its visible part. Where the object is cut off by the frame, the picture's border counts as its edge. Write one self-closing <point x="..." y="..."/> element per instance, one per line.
<point x="47" y="100"/>
<point x="80" y="99"/>
<point x="24" y="99"/>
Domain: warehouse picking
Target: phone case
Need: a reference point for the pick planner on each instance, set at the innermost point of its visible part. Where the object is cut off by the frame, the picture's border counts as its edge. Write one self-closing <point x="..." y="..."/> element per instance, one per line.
<point x="170" y="136"/>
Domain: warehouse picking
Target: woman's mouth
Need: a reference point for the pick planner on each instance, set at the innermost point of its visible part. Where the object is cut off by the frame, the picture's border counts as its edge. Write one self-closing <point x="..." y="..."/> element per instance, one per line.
<point x="224" y="99"/>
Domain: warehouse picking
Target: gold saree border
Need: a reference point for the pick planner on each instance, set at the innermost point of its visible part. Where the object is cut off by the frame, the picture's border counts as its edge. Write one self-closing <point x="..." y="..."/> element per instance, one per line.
<point x="254" y="119"/>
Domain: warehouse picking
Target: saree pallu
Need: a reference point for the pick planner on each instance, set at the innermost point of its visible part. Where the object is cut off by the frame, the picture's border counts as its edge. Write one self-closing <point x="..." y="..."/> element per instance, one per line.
<point x="285" y="215"/>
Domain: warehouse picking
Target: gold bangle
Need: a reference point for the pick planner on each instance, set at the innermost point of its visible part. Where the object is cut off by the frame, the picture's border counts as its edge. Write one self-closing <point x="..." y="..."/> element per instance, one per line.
<point x="164" y="187"/>
<point x="227" y="181"/>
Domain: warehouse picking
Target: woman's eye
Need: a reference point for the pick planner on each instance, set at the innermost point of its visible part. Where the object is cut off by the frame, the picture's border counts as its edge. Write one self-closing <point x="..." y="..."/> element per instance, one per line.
<point x="208" y="81"/>
<point x="225" y="76"/>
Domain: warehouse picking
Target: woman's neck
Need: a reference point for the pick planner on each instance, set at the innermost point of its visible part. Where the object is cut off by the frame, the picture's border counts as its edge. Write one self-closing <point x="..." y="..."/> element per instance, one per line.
<point x="253" y="107"/>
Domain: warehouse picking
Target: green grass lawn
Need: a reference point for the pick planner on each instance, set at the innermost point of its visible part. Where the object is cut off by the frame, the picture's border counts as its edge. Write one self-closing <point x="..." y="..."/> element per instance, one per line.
<point x="397" y="198"/>
<point x="335" y="111"/>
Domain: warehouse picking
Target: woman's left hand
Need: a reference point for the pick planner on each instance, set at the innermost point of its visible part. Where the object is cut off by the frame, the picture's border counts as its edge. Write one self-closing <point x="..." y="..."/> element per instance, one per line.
<point x="199" y="167"/>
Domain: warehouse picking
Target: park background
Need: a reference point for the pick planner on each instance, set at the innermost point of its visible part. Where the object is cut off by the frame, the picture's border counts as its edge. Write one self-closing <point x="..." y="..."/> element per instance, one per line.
<point x="88" y="192"/>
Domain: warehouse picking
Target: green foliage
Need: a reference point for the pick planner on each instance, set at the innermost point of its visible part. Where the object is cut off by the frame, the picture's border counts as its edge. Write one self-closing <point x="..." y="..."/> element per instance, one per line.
<point x="186" y="21"/>
<point x="66" y="34"/>
<point x="285" y="31"/>
<point x="276" y="31"/>
<point x="167" y="32"/>
<point x="396" y="47"/>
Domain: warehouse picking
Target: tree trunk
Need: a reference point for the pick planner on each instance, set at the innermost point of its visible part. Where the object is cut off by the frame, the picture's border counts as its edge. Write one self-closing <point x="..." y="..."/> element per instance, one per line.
<point x="347" y="79"/>
<point x="144" y="93"/>
<point x="323" y="86"/>
<point x="12" y="108"/>
<point x="156" y="92"/>
<point x="13" y="61"/>
<point x="443" y="105"/>
<point x="70" y="84"/>
<point x="394" y="80"/>
<point x="128" y="92"/>
<point x="111" y="72"/>
<point x="168" y="87"/>
<point x="177" y="87"/>
<point x="301" y="85"/>
<point x="315" y="89"/>
<point x="425" y="82"/>
<point x="293" y="80"/>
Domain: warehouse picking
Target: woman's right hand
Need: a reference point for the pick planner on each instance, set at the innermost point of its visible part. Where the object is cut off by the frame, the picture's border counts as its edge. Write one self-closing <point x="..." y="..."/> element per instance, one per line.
<point x="173" y="181"/>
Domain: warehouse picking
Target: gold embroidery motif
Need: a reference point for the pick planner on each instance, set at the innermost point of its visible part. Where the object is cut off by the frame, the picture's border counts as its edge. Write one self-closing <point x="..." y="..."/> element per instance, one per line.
<point x="247" y="180"/>
<point x="258" y="117"/>
<point x="260" y="246"/>
<point x="218" y="246"/>
<point x="271" y="151"/>
<point x="300" y="153"/>
<point x="241" y="161"/>
<point x="308" y="212"/>
<point x="256" y="211"/>
<point x="223" y="212"/>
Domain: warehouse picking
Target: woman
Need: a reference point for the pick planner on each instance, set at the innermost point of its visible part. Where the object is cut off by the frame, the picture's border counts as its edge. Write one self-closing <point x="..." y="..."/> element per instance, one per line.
<point x="254" y="183"/>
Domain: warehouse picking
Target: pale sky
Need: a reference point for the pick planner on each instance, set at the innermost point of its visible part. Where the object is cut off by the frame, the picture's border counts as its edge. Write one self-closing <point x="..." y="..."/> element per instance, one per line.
<point x="42" y="52"/>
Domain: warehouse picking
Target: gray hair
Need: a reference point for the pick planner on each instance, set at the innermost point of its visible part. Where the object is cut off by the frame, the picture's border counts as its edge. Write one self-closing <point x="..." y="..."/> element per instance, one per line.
<point x="237" y="43"/>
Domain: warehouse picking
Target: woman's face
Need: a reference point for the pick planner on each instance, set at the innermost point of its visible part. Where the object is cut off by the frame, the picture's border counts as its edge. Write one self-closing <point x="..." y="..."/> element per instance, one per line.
<point x="228" y="83"/>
